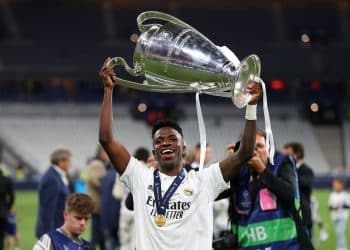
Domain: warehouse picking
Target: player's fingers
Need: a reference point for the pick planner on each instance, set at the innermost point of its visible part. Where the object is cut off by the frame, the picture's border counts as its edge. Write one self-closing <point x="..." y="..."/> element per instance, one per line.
<point x="106" y="61"/>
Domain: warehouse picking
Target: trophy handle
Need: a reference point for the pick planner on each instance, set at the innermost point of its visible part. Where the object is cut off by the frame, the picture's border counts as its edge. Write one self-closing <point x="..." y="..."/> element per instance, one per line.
<point x="147" y="15"/>
<point x="115" y="61"/>
<point x="248" y="70"/>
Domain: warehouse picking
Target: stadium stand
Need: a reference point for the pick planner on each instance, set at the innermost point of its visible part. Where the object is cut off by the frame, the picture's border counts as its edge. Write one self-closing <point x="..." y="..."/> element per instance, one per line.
<point x="80" y="134"/>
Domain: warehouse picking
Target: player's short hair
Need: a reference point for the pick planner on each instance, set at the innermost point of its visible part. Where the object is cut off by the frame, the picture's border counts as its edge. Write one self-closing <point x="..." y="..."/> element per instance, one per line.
<point x="261" y="132"/>
<point x="166" y="123"/>
<point x="339" y="179"/>
<point x="298" y="149"/>
<point x="60" y="154"/>
<point x="80" y="203"/>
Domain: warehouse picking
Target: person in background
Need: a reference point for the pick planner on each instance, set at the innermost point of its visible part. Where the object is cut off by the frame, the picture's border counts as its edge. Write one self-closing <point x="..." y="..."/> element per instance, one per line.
<point x="12" y="237"/>
<point x="77" y="213"/>
<point x="7" y="197"/>
<point x="339" y="203"/>
<point x="190" y="155"/>
<point x="305" y="181"/>
<point x="265" y="196"/>
<point x="317" y="220"/>
<point x="197" y="152"/>
<point x="127" y="221"/>
<point x="53" y="191"/>
<point x="110" y="209"/>
<point x="95" y="172"/>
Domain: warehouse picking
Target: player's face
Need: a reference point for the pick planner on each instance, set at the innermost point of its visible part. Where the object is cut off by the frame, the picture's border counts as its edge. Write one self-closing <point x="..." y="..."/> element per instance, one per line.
<point x="338" y="186"/>
<point x="168" y="148"/>
<point x="288" y="151"/>
<point x="76" y="222"/>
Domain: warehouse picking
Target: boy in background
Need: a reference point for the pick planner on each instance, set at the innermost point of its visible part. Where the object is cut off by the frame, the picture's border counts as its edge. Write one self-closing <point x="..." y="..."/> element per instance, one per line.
<point x="339" y="203"/>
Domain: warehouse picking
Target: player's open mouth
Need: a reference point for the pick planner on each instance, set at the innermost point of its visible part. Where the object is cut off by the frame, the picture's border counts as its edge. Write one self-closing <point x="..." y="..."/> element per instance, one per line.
<point x="168" y="153"/>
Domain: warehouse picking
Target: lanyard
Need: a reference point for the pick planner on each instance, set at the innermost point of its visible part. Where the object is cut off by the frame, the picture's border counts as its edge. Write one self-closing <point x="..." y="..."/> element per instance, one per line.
<point x="162" y="202"/>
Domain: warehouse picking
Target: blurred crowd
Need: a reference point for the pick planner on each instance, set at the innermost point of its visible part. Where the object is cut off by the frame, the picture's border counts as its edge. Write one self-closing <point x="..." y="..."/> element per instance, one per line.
<point x="112" y="218"/>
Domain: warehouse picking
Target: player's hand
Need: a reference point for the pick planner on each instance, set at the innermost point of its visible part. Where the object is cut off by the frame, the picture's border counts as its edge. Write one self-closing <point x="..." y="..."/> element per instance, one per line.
<point x="255" y="90"/>
<point x="107" y="75"/>
<point x="230" y="150"/>
<point x="256" y="164"/>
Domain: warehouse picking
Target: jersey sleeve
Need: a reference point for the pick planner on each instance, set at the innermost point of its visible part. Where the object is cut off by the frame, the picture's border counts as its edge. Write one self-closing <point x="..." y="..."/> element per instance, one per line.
<point x="44" y="243"/>
<point x="331" y="204"/>
<point x="133" y="174"/>
<point x="213" y="179"/>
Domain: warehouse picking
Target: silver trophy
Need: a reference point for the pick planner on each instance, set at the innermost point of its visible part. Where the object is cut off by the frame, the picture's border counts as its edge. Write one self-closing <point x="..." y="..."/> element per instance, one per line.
<point x="175" y="57"/>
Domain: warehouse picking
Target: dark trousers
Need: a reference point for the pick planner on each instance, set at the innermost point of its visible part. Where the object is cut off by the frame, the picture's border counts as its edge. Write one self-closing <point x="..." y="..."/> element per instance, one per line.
<point x="309" y="230"/>
<point x="97" y="237"/>
<point x="3" y="223"/>
<point x="112" y="239"/>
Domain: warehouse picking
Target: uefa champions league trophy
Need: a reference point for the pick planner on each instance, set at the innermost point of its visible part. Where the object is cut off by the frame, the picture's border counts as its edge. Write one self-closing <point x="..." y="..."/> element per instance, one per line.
<point x="177" y="58"/>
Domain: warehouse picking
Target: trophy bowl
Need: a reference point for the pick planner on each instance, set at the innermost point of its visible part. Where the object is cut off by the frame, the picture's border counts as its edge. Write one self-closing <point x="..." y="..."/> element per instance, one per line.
<point x="176" y="58"/>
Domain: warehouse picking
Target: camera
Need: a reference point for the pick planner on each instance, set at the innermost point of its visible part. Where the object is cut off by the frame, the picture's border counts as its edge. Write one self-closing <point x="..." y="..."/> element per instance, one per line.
<point x="227" y="242"/>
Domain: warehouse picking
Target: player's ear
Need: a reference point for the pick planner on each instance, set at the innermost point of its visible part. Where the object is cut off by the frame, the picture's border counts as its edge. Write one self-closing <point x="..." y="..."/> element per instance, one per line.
<point x="65" y="213"/>
<point x="184" y="151"/>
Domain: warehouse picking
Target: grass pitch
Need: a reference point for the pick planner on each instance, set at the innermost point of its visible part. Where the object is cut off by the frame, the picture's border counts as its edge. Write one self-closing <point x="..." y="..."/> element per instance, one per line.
<point x="27" y="202"/>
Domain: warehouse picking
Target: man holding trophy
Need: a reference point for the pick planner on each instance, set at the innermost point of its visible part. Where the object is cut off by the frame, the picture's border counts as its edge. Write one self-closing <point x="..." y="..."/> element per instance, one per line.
<point x="174" y="207"/>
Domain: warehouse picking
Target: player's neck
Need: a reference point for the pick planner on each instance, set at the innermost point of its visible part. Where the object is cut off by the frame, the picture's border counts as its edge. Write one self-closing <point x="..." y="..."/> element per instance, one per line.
<point x="171" y="172"/>
<point x="67" y="233"/>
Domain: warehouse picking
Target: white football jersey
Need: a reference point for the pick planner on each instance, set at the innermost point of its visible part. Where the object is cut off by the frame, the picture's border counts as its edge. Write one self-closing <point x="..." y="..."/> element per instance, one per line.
<point x="189" y="212"/>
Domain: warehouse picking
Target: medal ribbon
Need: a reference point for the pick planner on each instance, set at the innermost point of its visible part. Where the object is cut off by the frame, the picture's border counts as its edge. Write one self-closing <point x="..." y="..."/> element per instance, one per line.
<point x="161" y="203"/>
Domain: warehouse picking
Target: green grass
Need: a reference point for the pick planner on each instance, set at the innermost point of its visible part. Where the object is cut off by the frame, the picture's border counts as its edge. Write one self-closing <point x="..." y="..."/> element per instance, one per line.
<point x="26" y="208"/>
<point x="322" y="196"/>
<point x="26" y="204"/>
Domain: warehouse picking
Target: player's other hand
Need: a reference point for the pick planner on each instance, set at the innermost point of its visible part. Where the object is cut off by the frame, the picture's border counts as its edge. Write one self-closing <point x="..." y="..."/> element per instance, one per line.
<point x="107" y="75"/>
<point x="256" y="163"/>
<point x="255" y="90"/>
<point x="230" y="150"/>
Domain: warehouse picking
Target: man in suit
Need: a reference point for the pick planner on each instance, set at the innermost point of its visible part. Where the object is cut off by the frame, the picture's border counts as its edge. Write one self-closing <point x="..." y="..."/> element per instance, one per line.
<point x="53" y="190"/>
<point x="305" y="179"/>
<point x="6" y="201"/>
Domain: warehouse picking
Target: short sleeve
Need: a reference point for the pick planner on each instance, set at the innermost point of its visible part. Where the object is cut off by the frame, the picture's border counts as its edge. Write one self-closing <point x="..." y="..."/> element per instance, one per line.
<point x="330" y="200"/>
<point x="213" y="179"/>
<point x="347" y="200"/>
<point x="133" y="173"/>
<point x="44" y="243"/>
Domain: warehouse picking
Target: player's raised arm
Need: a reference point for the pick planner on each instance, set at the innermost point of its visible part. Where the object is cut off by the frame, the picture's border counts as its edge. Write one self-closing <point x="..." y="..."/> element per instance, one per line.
<point x="117" y="153"/>
<point x="231" y="165"/>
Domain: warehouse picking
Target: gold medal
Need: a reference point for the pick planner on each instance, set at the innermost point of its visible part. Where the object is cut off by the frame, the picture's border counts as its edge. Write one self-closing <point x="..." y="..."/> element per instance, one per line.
<point x="160" y="220"/>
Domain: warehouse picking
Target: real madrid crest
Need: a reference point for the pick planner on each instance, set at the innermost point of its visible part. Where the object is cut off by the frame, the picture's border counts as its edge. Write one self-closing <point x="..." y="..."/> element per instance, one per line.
<point x="188" y="190"/>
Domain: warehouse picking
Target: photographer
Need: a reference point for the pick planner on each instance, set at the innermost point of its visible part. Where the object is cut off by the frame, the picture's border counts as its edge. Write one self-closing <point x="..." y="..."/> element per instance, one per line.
<point x="264" y="204"/>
